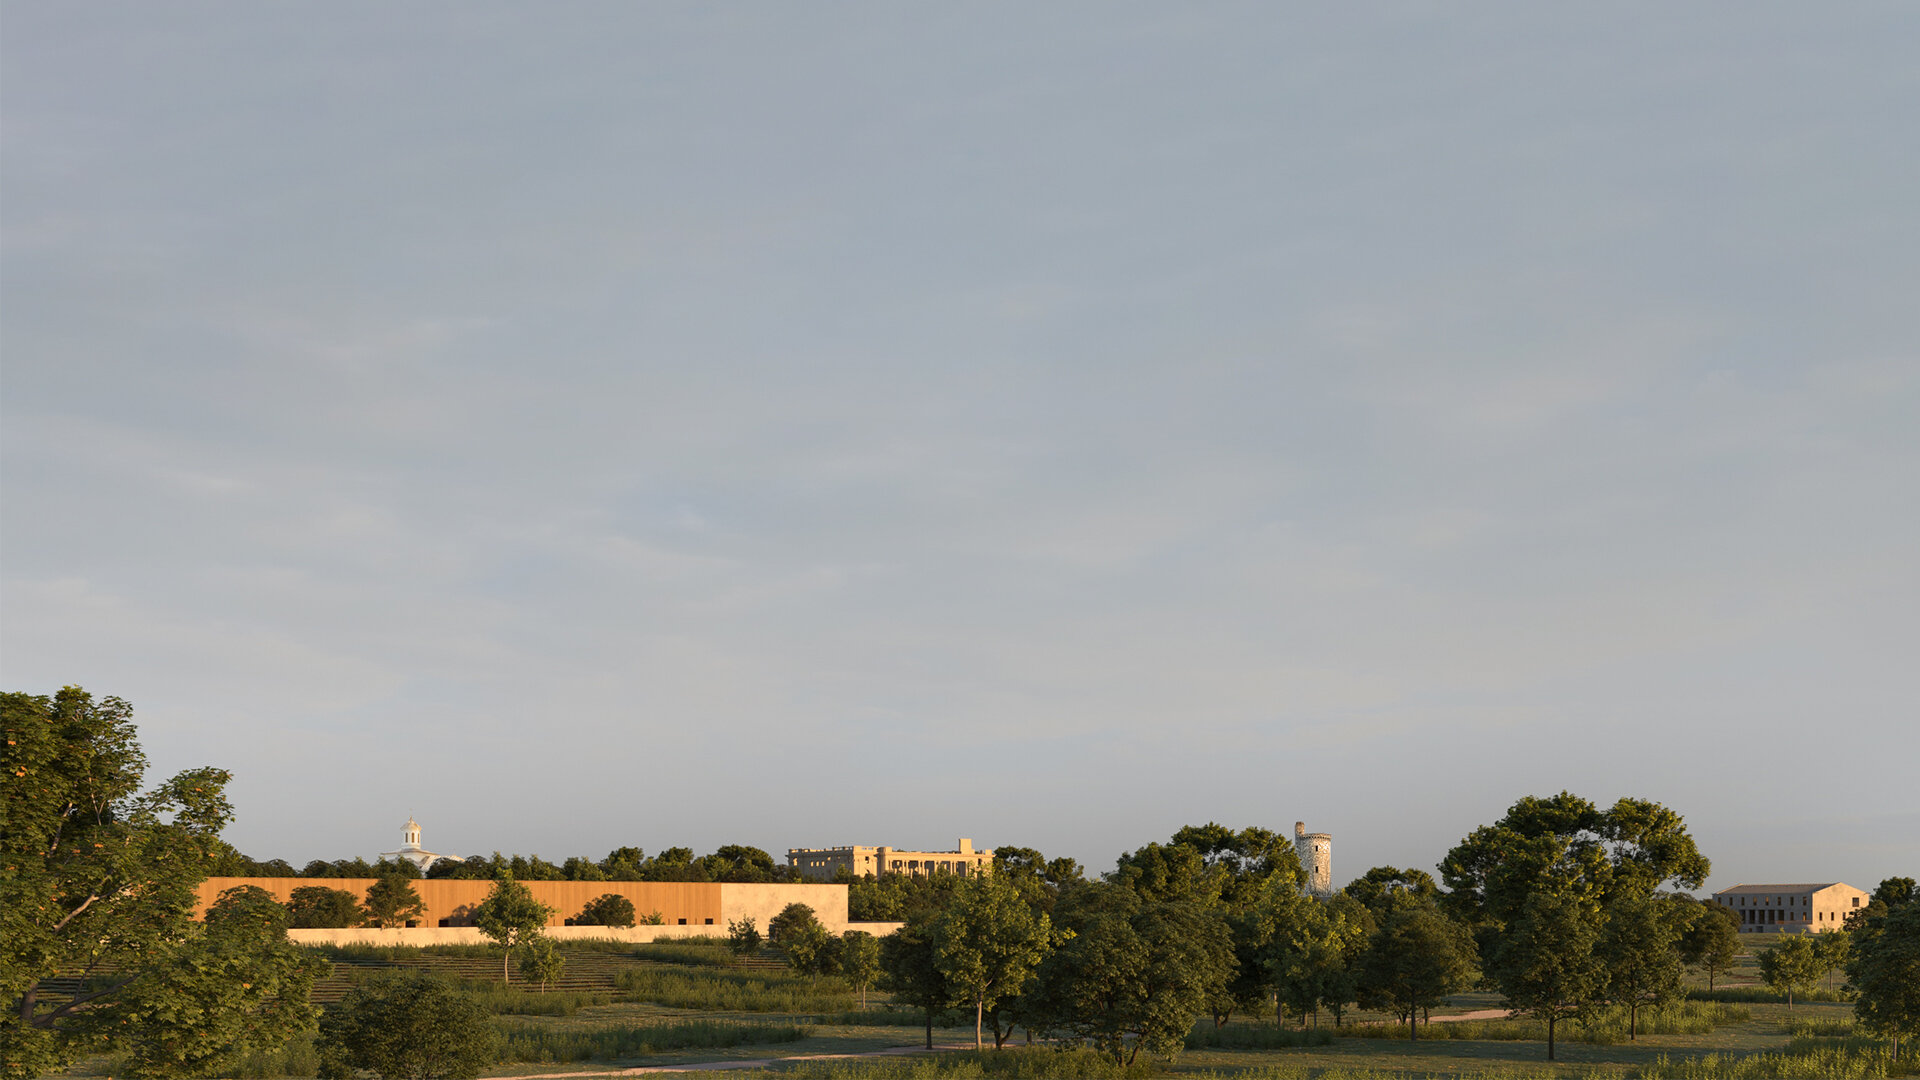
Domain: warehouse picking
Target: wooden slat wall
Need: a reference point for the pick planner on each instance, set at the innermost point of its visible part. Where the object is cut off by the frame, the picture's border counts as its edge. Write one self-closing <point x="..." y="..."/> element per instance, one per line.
<point x="453" y="901"/>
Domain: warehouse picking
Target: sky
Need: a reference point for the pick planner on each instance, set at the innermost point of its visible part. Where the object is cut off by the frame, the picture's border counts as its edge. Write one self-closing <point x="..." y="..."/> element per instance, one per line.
<point x="800" y="425"/>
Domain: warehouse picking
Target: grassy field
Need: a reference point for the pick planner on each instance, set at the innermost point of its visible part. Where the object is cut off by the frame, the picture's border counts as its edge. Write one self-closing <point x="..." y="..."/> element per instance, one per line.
<point x="679" y="1004"/>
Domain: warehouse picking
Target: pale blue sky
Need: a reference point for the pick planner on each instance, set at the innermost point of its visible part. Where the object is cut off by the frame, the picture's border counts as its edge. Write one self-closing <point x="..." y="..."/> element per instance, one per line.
<point x="595" y="424"/>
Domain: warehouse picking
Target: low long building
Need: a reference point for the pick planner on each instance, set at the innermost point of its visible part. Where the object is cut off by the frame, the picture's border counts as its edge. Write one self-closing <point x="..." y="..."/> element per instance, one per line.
<point x="1792" y="909"/>
<point x="450" y="902"/>
<point x="825" y="863"/>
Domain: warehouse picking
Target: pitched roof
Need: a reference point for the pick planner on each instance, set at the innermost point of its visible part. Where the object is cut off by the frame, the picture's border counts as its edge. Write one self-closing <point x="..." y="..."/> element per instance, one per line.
<point x="1780" y="888"/>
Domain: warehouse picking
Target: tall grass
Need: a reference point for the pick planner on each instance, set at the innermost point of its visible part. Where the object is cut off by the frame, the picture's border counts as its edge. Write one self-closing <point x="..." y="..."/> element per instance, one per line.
<point x="1255" y="1036"/>
<point x="1023" y="1063"/>
<point x="521" y="1001"/>
<point x="887" y="1018"/>
<point x="1605" y="1029"/>
<point x="1821" y="1063"/>
<point x="611" y="1043"/>
<point x="733" y="991"/>
<point x="697" y="954"/>
<point x="1839" y="1028"/>
<point x="1760" y="995"/>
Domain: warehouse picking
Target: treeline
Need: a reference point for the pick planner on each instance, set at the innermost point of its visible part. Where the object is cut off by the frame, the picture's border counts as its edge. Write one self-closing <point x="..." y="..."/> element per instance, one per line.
<point x="730" y="863"/>
<point x="1562" y="907"/>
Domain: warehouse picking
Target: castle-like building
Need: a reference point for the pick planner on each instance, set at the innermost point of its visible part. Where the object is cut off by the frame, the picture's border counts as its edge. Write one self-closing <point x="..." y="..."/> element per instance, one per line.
<point x="1316" y="859"/>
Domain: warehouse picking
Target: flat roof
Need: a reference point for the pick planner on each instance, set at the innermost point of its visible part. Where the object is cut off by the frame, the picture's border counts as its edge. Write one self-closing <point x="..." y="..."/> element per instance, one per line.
<point x="1780" y="888"/>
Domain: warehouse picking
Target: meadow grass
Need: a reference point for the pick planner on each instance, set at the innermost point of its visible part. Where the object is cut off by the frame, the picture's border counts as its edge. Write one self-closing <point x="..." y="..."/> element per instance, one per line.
<point x="694" y="954"/>
<point x="734" y="991"/>
<point x="545" y="1044"/>
<point x="1607" y="1028"/>
<point x="1013" y="1063"/>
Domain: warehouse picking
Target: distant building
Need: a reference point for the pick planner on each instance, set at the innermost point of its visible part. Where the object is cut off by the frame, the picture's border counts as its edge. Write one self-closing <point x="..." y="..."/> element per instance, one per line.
<point x="1791" y="909"/>
<point x="411" y="850"/>
<point x="825" y="863"/>
<point x="1316" y="859"/>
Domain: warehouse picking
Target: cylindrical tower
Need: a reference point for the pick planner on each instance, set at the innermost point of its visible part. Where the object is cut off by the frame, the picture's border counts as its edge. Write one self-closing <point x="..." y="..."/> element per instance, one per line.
<point x="1316" y="859"/>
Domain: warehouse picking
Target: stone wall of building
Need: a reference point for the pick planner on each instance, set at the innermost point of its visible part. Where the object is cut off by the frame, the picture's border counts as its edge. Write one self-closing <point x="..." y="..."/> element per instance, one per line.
<point x="1316" y="859"/>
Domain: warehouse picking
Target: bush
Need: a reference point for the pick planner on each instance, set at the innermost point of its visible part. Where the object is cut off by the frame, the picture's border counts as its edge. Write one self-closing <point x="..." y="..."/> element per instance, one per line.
<point x="608" y="909"/>
<point x="316" y="907"/>
<point x="406" y="1024"/>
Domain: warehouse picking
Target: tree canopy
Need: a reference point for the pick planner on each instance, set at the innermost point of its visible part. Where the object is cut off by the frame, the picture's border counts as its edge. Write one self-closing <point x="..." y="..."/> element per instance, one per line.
<point x="97" y="881"/>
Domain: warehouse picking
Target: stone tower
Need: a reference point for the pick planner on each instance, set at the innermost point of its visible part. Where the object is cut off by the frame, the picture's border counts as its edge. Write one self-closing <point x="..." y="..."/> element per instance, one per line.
<point x="1316" y="859"/>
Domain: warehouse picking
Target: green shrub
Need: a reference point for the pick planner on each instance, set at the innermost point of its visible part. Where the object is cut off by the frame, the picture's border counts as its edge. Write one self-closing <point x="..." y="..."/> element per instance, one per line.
<point x="1256" y="1036"/>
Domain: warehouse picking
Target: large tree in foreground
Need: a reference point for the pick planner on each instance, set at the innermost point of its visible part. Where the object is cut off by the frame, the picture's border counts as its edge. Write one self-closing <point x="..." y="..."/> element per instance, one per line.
<point x="1414" y="960"/>
<point x="97" y="880"/>
<point x="406" y="1026"/>
<point x="1548" y="964"/>
<point x="239" y="979"/>
<point x="987" y="944"/>
<point x="1884" y="969"/>
<point x="1633" y="848"/>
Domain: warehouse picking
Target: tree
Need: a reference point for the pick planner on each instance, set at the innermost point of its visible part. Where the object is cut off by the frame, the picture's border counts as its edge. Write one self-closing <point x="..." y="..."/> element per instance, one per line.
<point x="1414" y="960"/>
<point x="811" y="950"/>
<point x="239" y="979"/>
<point x="97" y="878"/>
<point x="1793" y="964"/>
<point x="738" y="862"/>
<point x="511" y="917"/>
<point x="907" y="958"/>
<point x="1133" y="976"/>
<point x="742" y="936"/>
<point x="1312" y="953"/>
<point x="859" y="959"/>
<point x="1640" y="947"/>
<point x="1547" y="963"/>
<point x="1711" y="942"/>
<point x="791" y="918"/>
<point x="406" y="1025"/>
<point x="607" y="909"/>
<point x="1633" y="847"/>
<point x="392" y="901"/>
<point x="1884" y="969"/>
<point x="1895" y="892"/>
<point x="1377" y="889"/>
<point x="316" y="907"/>
<point x="988" y="944"/>
<point x="541" y="962"/>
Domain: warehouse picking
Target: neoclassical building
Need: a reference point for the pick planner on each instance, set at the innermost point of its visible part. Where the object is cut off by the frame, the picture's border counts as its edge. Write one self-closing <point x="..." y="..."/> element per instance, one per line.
<point x="824" y="863"/>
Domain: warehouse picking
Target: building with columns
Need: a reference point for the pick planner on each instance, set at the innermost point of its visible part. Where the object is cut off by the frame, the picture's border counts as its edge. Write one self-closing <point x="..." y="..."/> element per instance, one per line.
<point x="823" y="864"/>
